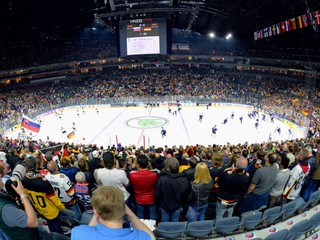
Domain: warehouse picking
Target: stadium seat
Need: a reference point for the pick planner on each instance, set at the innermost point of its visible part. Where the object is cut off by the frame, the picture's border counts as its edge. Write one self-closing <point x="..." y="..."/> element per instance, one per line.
<point x="226" y="226"/>
<point x="314" y="223"/>
<point x="171" y="230"/>
<point x="270" y="215"/>
<point x="297" y="230"/>
<point x="200" y="229"/>
<point x="250" y="220"/>
<point x="289" y="209"/>
<point x="314" y="198"/>
<point x="278" y="235"/>
<point x="302" y="205"/>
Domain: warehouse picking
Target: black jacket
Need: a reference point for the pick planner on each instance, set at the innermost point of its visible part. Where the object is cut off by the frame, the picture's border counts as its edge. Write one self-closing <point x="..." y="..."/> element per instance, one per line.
<point x="233" y="184"/>
<point x="171" y="191"/>
<point x="189" y="173"/>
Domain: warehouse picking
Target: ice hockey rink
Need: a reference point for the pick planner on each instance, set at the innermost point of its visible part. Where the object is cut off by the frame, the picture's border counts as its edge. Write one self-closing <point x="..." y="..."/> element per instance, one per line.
<point x="141" y="126"/>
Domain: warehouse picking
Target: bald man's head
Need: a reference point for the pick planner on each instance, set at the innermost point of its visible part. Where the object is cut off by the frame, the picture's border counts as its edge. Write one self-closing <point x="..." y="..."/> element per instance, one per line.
<point x="52" y="167"/>
<point x="242" y="163"/>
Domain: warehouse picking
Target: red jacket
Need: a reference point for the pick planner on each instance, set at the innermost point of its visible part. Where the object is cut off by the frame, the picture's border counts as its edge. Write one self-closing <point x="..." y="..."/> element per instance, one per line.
<point x="144" y="182"/>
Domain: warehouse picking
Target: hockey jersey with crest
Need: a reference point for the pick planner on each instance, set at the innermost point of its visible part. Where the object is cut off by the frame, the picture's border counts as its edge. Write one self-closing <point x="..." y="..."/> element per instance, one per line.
<point x="42" y="195"/>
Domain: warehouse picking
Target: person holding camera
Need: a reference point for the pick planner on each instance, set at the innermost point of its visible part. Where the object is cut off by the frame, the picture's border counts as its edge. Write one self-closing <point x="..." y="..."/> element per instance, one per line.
<point x="17" y="222"/>
<point x="109" y="211"/>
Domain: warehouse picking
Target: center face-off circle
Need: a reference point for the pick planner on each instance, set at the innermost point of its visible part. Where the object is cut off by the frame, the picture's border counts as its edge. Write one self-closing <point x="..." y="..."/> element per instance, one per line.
<point x="147" y="122"/>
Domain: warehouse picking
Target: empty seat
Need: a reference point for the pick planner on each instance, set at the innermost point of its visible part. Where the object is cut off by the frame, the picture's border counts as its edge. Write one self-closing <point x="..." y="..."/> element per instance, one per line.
<point x="301" y="204"/>
<point x="226" y="226"/>
<point x="172" y="230"/>
<point x="289" y="209"/>
<point x="314" y="223"/>
<point x="200" y="228"/>
<point x="297" y="230"/>
<point x="278" y="235"/>
<point x="250" y="220"/>
<point x="314" y="198"/>
<point x="270" y="215"/>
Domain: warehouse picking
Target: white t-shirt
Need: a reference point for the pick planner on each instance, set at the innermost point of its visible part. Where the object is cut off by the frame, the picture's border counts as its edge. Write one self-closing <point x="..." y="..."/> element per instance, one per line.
<point x="62" y="186"/>
<point x="114" y="177"/>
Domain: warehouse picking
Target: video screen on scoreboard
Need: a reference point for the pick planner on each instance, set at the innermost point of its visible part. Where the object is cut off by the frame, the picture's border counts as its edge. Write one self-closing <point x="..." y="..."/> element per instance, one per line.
<point x="143" y="37"/>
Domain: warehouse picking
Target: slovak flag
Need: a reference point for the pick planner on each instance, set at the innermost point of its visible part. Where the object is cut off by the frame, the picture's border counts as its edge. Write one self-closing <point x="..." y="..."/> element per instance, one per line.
<point x="30" y="124"/>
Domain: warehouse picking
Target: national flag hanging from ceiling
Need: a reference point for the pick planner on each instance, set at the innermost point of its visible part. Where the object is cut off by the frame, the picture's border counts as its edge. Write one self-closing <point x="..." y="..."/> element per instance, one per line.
<point x="289" y="25"/>
<point x="274" y="30"/>
<point x="270" y="31"/>
<point x="283" y="27"/>
<point x="293" y="24"/>
<point x="299" y="22"/>
<point x="305" y="20"/>
<point x="316" y="15"/>
<point x="258" y="35"/>
<point x="266" y="32"/>
<point x="278" y="26"/>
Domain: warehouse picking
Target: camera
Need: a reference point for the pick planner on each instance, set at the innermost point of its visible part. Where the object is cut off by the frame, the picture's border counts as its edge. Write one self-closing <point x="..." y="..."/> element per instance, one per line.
<point x="18" y="174"/>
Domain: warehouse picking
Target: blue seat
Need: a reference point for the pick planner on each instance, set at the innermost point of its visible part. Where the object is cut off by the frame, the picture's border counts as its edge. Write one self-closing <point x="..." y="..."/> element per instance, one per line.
<point x="270" y="215"/>
<point x="315" y="220"/>
<point x="302" y="205"/>
<point x="226" y="226"/>
<point x="200" y="229"/>
<point x="313" y="223"/>
<point x="297" y="230"/>
<point x="314" y="198"/>
<point x="278" y="235"/>
<point x="289" y="209"/>
<point x="171" y="230"/>
<point x="250" y="220"/>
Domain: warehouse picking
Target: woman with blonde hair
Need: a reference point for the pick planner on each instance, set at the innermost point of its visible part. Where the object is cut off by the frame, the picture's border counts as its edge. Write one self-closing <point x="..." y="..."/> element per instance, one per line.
<point x="201" y="188"/>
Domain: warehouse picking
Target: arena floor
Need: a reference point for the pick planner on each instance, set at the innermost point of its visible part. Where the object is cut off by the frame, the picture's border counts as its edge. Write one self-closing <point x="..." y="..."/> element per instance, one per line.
<point x="141" y="126"/>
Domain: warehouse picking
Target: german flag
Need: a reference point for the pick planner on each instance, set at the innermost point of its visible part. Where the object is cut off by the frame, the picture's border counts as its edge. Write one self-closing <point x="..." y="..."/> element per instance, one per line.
<point x="71" y="135"/>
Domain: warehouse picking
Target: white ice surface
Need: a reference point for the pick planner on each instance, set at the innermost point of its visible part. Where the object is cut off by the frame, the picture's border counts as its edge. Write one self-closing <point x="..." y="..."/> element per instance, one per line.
<point x="109" y="127"/>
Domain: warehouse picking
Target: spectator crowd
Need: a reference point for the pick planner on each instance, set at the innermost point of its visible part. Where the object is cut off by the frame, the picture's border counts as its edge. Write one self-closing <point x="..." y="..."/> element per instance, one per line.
<point x="67" y="184"/>
<point x="60" y="186"/>
<point x="288" y="100"/>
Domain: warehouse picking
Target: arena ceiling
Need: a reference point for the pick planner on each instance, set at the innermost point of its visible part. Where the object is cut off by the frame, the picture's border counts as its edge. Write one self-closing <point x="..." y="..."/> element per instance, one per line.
<point x="241" y="17"/>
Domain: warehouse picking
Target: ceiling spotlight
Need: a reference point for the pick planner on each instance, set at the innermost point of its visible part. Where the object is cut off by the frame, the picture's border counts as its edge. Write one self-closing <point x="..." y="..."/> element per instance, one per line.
<point x="212" y="35"/>
<point x="229" y="35"/>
